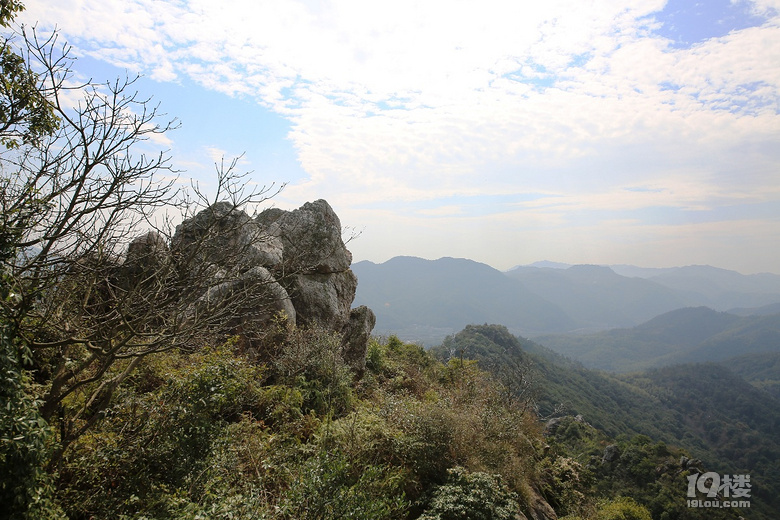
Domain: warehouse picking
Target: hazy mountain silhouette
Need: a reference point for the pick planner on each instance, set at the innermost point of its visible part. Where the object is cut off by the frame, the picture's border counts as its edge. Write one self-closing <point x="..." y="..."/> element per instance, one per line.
<point x="425" y="300"/>
<point x="697" y="334"/>
<point x="596" y="297"/>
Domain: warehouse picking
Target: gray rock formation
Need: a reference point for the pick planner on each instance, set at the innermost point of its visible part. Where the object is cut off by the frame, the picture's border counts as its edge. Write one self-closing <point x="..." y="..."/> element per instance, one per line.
<point x="611" y="453"/>
<point x="355" y="338"/>
<point x="222" y="234"/>
<point x="323" y="300"/>
<point x="292" y="261"/>
<point x="311" y="238"/>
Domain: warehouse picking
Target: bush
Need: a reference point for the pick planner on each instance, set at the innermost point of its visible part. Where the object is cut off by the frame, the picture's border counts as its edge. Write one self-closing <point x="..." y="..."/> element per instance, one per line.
<point x="622" y="508"/>
<point x="330" y="486"/>
<point x="26" y="490"/>
<point x="311" y="361"/>
<point x="472" y="496"/>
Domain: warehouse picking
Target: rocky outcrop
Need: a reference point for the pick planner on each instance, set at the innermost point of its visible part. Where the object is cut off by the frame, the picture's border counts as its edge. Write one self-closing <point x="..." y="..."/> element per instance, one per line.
<point x="293" y="262"/>
<point x="224" y="235"/>
<point x="310" y="237"/>
<point x="611" y="454"/>
<point x="355" y="340"/>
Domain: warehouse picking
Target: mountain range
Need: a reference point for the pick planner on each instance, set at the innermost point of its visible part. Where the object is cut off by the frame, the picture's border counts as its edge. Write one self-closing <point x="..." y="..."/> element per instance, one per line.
<point x="426" y="300"/>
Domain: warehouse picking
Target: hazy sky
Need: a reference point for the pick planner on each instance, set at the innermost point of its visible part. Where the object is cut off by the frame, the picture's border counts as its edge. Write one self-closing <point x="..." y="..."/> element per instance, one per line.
<point x="633" y="131"/>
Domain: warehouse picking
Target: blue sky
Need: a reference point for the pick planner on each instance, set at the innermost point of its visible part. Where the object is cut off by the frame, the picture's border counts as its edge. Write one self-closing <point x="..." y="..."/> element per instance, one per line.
<point x="637" y="131"/>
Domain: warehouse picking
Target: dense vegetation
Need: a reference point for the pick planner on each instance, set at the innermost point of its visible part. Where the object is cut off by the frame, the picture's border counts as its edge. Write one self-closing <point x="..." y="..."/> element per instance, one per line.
<point x="684" y="335"/>
<point x="702" y="408"/>
<point x="215" y="432"/>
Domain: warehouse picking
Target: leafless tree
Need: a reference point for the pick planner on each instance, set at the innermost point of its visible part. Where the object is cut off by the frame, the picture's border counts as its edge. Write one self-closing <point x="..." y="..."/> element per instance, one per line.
<point x="88" y="308"/>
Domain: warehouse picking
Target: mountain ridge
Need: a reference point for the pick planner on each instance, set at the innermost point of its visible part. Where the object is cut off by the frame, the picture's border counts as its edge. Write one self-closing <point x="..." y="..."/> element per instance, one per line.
<point x="693" y="334"/>
<point x="425" y="300"/>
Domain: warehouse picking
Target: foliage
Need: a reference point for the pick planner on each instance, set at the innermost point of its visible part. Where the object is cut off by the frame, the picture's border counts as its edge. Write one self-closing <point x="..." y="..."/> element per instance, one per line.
<point x="26" y="112"/>
<point x="332" y="487"/>
<point x="26" y="489"/>
<point x="622" y="508"/>
<point x="212" y="433"/>
<point x="689" y="410"/>
<point x="79" y="181"/>
<point x="310" y="361"/>
<point x="472" y="496"/>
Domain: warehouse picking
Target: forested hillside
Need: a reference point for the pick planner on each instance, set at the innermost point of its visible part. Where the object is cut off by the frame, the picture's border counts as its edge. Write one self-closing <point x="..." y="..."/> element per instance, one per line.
<point x="707" y="410"/>
<point x="694" y="334"/>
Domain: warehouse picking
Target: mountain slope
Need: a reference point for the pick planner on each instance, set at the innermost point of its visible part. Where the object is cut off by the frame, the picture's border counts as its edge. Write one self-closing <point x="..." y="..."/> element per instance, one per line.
<point x="598" y="297"/>
<point x="704" y="408"/>
<point x="685" y="335"/>
<point x="761" y="370"/>
<point x="424" y="300"/>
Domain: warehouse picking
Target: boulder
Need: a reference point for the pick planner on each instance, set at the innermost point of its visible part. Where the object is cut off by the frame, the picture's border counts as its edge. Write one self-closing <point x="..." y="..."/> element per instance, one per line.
<point x="538" y="508"/>
<point x="149" y="248"/>
<point x="311" y="238"/>
<point x="266" y="298"/>
<point x="226" y="235"/>
<point x="323" y="300"/>
<point x="145" y="260"/>
<point x="291" y="262"/>
<point x="611" y="453"/>
<point x="355" y="337"/>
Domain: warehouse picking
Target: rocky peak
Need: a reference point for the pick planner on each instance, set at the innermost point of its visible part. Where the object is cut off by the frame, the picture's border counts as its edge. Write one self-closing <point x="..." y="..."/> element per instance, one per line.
<point x="296" y="260"/>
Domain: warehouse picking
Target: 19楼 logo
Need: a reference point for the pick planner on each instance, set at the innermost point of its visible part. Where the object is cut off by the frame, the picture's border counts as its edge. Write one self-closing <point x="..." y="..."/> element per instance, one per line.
<point x="717" y="488"/>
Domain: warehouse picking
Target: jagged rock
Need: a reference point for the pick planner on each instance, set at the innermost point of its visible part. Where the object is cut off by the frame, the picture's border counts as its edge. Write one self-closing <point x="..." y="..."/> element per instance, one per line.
<point x="323" y="300"/>
<point x="552" y="425"/>
<point x="147" y="249"/>
<point x="228" y="236"/>
<point x="611" y="453"/>
<point x="293" y="262"/>
<point x="268" y="300"/>
<point x="145" y="259"/>
<point x="690" y="464"/>
<point x="356" y="335"/>
<point x="539" y="509"/>
<point x="311" y="236"/>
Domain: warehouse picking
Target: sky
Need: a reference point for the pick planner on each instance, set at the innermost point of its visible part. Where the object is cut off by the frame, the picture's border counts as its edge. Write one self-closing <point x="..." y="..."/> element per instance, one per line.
<point x="641" y="132"/>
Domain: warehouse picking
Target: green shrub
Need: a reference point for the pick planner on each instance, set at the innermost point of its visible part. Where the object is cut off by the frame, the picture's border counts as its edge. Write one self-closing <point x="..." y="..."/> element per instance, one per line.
<point x="563" y="481"/>
<point x="26" y="489"/>
<point x="151" y="453"/>
<point x="311" y="361"/>
<point x="622" y="508"/>
<point x="330" y="486"/>
<point x="472" y="496"/>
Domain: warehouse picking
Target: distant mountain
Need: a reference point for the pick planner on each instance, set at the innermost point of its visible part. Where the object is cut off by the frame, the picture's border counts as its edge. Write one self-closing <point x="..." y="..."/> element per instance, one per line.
<point x="596" y="297"/>
<point x="748" y="335"/>
<point x="720" y="289"/>
<point x="424" y="300"/>
<point x="764" y="310"/>
<point x="685" y="335"/>
<point x="544" y="263"/>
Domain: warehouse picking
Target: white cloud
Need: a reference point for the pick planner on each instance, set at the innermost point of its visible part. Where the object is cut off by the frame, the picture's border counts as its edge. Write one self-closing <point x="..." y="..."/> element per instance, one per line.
<point x="408" y="100"/>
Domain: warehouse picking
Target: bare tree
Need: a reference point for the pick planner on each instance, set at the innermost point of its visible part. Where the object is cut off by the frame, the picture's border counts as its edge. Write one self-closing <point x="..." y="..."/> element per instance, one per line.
<point x="86" y="299"/>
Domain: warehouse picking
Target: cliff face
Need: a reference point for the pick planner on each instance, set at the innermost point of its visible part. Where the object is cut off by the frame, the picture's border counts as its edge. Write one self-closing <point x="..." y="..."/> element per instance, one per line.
<point x="291" y="262"/>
